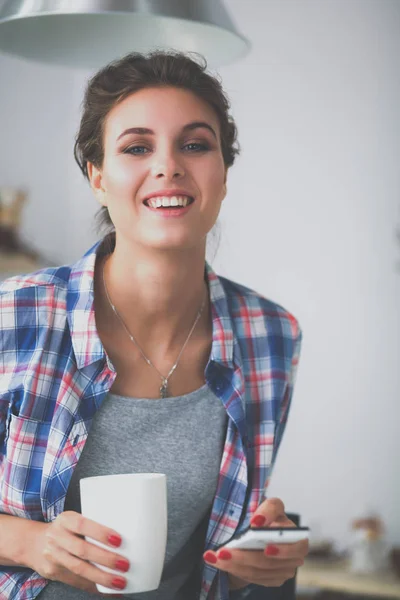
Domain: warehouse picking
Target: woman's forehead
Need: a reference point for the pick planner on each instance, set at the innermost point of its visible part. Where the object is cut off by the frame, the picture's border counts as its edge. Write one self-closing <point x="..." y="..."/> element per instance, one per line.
<point x="163" y="107"/>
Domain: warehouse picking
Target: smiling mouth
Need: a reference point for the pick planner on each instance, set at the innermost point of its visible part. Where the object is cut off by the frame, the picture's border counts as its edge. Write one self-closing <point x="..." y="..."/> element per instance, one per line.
<point x="159" y="203"/>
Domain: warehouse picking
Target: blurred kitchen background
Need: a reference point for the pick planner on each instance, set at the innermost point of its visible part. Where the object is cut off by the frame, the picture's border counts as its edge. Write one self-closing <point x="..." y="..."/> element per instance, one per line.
<point x="310" y="221"/>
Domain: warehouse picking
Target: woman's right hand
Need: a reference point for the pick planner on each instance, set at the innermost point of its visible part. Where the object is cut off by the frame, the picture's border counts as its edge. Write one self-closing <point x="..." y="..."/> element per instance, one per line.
<point x="59" y="552"/>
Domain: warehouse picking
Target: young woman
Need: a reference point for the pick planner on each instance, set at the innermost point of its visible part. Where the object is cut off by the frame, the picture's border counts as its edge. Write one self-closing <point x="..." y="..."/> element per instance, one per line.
<point x="139" y="358"/>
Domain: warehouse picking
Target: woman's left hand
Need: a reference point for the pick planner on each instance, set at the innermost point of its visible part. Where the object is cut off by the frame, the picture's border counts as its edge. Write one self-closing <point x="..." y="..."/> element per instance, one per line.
<point x="270" y="568"/>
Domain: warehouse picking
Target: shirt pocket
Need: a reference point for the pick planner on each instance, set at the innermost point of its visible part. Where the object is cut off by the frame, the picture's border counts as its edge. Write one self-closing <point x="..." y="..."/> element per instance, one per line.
<point x="25" y="450"/>
<point x="10" y="403"/>
<point x="4" y="423"/>
<point x="3" y="430"/>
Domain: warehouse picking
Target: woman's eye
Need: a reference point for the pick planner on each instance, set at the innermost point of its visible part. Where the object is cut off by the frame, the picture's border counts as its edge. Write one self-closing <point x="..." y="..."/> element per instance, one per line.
<point x="197" y="147"/>
<point x="192" y="147"/>
<point x="136" y="150"/>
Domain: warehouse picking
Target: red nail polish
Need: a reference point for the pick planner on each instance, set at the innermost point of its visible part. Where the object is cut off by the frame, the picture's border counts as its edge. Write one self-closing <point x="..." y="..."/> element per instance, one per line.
<point x="271" y="551"/>
<point x="114" y="540"/>
<point x="258" y="521"/>
<point x="224" y="554"/>
<point x="118" y="583"/>
<point x="209" y="557"/>
<point x="122" y="565"/>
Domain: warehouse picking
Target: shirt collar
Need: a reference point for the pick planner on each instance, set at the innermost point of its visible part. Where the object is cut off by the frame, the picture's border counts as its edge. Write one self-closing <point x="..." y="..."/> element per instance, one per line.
<point x="81" y="319"/>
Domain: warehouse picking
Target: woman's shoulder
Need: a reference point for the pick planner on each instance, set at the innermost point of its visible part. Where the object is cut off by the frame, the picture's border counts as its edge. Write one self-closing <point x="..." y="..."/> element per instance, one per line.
<point x="76" y="276"/>
<point x="29" y="303"/>
<point x="49" y="276"/>
<point x="247" y="304"/>
<point x="31" y="306"/>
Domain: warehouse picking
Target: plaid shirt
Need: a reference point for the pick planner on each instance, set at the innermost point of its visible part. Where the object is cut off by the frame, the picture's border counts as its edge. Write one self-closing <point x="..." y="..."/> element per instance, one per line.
<point x="55" y="374"/>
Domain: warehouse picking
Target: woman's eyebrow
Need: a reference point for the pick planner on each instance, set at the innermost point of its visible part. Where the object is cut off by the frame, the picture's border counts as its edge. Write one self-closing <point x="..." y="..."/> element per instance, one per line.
<point x="188" y="127"/>
<point x="197" y="125"/>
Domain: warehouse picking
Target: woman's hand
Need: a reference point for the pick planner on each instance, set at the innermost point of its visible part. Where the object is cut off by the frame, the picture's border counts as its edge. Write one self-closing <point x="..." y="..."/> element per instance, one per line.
<point x="270" y="568"/>
<point x="59" y="552"/>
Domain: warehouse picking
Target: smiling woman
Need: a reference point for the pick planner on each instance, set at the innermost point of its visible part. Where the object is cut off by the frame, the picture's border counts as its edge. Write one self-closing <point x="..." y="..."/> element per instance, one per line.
<point x="179" y="155"/>
<point x="158" y="70"/>
<point x="140" y="358"/>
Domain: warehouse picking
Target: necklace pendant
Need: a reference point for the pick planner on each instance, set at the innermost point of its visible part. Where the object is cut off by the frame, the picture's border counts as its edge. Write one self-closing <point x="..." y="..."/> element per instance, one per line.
<point x="164" y="390"/>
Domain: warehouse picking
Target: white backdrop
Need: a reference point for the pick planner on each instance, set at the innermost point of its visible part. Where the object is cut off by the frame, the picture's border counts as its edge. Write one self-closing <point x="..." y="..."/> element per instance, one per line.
<point x="309" y="221"/>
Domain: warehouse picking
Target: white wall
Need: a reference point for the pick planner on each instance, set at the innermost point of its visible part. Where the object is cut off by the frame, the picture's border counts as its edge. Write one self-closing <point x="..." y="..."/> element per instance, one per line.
<point x="309" y="221"/>
<point x="34" y="112"/>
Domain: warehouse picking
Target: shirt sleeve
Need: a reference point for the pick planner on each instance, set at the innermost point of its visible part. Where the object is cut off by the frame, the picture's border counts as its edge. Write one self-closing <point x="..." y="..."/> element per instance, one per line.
<point x="15" y="582"/>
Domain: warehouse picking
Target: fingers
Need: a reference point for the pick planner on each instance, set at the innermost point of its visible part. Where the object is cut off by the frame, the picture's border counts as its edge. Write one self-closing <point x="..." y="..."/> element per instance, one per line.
<point x="296" y="550"/>
<point x="79" y="573"/>
<point x="255" y="566"/>
<point x="275" y="577"/>
<point x="86" y="551"/>
<point x="258" y="560"/>
<point x="287" y="552"/>
<point x="275" y="504"/>
<point x="68" y="556"/>
<point x="272" y="509"/>
<point x="80" y="525"/>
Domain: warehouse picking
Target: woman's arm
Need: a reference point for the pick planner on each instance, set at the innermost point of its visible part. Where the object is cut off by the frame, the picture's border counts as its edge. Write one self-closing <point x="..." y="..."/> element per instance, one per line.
<point x="59" y="551"/>
<point x="16" y="540"/>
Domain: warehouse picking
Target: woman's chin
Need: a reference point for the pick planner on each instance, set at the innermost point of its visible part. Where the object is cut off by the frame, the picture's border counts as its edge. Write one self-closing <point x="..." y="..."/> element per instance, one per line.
<point x="174" y="244"/>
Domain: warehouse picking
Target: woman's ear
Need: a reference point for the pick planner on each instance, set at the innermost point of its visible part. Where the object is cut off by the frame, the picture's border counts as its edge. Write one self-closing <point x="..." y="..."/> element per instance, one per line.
<point x="96" y="183"/>
<point x="224" y="186"/>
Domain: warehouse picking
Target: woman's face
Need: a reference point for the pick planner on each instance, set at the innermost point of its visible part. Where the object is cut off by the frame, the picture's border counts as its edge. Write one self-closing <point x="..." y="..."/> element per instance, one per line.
<point x="156" y="141"/>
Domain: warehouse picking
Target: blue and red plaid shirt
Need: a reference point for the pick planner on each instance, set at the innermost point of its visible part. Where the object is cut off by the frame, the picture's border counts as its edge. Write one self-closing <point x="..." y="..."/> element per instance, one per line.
<point x="55" y="374"/>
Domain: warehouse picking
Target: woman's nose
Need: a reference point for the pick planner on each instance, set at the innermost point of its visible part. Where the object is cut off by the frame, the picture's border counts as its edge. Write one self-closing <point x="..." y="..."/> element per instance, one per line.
<point x="167" y="166"/>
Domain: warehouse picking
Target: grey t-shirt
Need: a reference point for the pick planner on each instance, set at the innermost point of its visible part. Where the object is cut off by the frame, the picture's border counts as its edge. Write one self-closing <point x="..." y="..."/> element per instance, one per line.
<point x="182" y="437"/>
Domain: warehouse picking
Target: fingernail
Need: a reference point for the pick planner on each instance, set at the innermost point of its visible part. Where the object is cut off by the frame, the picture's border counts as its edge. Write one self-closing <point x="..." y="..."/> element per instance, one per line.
<point x="210" y="557"/>
<point x="258" y="520"/>
<point x="114" y="540"/>
<point x="122" y="565"/>
<point x="271" y="551"/>
<point x="224" y="554"/>
<point x="118" y="583"/>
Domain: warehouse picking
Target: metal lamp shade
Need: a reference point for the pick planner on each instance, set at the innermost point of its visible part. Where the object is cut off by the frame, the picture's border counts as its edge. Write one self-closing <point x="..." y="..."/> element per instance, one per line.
<point x="90" y="33"/>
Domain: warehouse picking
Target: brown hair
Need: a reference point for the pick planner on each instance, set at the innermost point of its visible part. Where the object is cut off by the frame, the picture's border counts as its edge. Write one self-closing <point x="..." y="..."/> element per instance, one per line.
<point x="133" y="72"/>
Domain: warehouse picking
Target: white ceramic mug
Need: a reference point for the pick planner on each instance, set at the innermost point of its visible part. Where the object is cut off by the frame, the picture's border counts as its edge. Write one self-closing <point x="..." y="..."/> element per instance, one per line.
<point x="135" y="506"/>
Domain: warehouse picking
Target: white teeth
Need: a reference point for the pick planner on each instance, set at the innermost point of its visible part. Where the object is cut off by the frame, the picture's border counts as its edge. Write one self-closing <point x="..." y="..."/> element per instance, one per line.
<point x="168" y="201"/>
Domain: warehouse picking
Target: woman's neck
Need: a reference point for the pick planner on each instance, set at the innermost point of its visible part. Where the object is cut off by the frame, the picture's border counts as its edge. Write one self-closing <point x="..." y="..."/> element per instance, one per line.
<point x="157" y="295"/>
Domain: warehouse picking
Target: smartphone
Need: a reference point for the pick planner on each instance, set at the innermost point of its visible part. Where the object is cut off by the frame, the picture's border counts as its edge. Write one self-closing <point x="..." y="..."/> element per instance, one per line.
<point x="258" y="538"/>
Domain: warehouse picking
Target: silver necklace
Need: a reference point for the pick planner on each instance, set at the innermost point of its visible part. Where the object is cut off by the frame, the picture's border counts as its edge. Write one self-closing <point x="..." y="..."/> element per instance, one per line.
<point x="164" y="385"/>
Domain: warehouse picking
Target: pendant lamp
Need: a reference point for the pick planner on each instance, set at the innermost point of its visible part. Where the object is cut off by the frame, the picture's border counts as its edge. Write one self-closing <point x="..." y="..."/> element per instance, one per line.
<point x="90" y="33"/>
